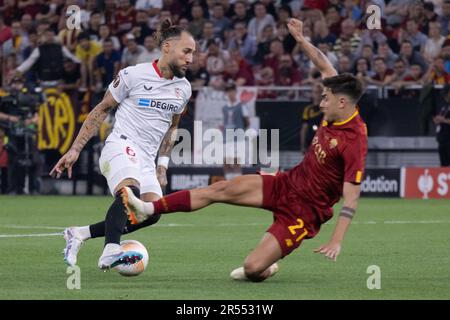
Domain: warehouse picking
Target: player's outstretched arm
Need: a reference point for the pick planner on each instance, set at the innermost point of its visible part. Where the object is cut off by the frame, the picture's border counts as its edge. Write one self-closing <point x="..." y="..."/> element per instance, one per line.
<point x="321" y="62"/>
<point x="165" y="149"/>
<point x="351" y="195"/>
<point x="90" y="127"/>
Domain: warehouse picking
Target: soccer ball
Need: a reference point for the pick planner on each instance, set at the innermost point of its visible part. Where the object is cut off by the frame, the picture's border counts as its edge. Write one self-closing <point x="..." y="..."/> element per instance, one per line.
<point x="138" y="267"/>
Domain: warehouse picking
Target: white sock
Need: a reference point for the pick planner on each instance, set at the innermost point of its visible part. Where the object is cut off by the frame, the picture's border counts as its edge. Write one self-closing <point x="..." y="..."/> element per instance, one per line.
<point x="83" y="233"/>
<point x="111" y="248"/>
<point x="148" y="207"/>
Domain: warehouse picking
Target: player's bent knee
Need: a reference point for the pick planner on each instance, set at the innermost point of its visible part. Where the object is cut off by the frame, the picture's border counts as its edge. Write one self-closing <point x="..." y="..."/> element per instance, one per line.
<point x="254" y="271"/>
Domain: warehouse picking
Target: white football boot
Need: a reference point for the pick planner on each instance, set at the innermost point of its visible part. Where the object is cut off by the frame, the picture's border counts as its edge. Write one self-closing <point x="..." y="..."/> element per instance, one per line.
<point x="112" y="258"/>
<point x="134" y="206"/>
<point x="73" y="245"/>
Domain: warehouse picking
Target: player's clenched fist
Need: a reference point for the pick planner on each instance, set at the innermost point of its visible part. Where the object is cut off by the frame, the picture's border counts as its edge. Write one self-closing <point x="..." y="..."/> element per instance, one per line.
<point x="295" y="27"/>
<point x="66" y="162"/>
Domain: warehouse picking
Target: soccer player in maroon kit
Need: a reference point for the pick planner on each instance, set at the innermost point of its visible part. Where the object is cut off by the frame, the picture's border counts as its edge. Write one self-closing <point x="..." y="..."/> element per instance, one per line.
<point x="302" y="198"/>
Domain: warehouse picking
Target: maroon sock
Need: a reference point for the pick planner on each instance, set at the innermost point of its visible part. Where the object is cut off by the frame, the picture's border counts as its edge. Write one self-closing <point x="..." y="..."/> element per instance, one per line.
<point x="177" y="201"/>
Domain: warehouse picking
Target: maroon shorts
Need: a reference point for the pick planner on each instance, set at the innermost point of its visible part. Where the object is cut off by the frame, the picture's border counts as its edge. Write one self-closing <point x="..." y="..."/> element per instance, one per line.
<point x="294" y="220"/>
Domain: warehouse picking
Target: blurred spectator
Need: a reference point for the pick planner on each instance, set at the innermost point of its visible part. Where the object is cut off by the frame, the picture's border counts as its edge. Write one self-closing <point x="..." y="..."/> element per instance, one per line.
<point x="261" y="19"/>
<point x="311" y="118"/>
<point x="276" y="51"/>
<point x="197" y="21"/>
<point x="444" y="19"/>
<point x="399" y="73"/>
<point x="125" y="17"/>
<point x="11" y="11"/>
<point x="48" y="57"/>
<point x="107" y="65"/>
<point x="344" y="64"/>
<point x="132" y="51"/>
<point x="263" y="46"/>
<point x="410" y="55"/>
<point x="383" y="75"/>
<point x="322" y="34"/>
<point x="396" y="11"/>
<point x="215" y="62"/>
<point x="94" y="25"/>
<point x="152" y="7"/>
<point x="284" y="12"/>
<point x="385" y="52"/>
<point x="26" y="23"/>
<point x="413" y="35"/>
<point x="242" y="41"/>
<point x="207" y="35"/>
<point x="239" y="76"/>
<point x="433" y="45"/>
<point x="86" y="51"/>
<point x="333" y="19"/>
<point x="442" y="122"/>
<point x="105" y="33"/>
<point x="436" y="73"/>
<point x="220" y="22"/>
<point x="347" y="34"/>
<point x="282" y="33"/>
<point x="266" y="78"/>
<point x="68" y="38"/>
<point x="141" y="29"/>
<point x="152" y="51"/>
<point x="235" y="116"/>
<point x="287" y="74"/>
<point x="414" y="75"/>
<point x="17" y="43"/>
<point x="351" y="11"/>
<point x="362" y="70"/>
<point x="430" y="15"/>
<point x="5" y="31"/>
<point x="197" y="75"/>
<point x="241" y="13"/>
<point x="30" y="7"/>
<point x="71" y="79"/>
<point x="373" y="38"/>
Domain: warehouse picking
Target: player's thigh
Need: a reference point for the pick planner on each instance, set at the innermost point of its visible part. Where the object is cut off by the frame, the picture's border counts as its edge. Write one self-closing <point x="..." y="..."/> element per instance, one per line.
<point x="266" y="253"/>
<point x="150" y="186"/>
<point x="245" y="190"/>
<point x="120" y="165"/>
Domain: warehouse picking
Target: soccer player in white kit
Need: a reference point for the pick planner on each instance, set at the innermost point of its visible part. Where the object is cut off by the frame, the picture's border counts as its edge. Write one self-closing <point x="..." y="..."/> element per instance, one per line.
<point x="150" y="98"/>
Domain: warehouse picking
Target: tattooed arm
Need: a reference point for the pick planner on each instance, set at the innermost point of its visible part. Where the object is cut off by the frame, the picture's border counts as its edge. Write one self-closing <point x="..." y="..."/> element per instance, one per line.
<point x="88" y="130"/>
<point x="314" y="54"/>
<point x="165" y="150"/>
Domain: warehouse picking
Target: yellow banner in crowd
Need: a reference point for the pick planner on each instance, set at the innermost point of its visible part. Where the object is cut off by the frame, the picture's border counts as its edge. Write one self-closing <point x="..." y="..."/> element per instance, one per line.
<point x="56" y="121"/>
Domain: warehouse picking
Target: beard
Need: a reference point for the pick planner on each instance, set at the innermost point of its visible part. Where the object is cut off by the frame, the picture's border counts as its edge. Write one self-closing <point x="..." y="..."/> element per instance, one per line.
<point x="177" y="71"/>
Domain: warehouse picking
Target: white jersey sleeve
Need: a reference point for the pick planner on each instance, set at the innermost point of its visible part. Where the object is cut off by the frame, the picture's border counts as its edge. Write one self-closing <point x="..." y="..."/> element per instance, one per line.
<point x="121" y="85"/>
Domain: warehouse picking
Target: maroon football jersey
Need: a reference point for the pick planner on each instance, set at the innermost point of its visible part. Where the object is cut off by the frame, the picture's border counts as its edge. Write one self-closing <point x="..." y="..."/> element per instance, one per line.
<point x="337" y="154"/>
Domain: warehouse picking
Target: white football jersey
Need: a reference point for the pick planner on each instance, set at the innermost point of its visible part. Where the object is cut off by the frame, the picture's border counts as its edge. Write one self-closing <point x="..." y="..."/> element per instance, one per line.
<point x="147" y="103"/>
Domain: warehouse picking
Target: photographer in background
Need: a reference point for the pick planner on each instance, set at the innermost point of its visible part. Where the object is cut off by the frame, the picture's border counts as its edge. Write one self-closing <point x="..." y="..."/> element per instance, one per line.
<point x="19" y="119"/>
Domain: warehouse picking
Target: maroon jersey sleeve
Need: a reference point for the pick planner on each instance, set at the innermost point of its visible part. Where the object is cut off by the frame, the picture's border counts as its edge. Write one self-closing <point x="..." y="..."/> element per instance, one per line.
<point x="354" y="155"/>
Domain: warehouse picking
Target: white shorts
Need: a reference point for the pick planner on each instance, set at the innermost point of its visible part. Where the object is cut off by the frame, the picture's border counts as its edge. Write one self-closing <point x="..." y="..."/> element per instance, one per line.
<point x="122" y="159"/>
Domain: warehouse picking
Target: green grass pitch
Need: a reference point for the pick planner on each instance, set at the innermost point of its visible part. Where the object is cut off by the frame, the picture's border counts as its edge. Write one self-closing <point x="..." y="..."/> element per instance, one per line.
<point x="192" y="254"/>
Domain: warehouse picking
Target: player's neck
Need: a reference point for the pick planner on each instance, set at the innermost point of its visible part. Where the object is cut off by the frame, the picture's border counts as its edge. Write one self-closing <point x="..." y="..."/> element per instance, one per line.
<point x="346" y="114"/>
<point x="164" y="69"/>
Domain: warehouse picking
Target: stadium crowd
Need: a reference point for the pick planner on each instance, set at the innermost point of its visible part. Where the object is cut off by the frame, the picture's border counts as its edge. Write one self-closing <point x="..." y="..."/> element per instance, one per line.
<point x="243" y="41"/>
<point x="246" y="43"/>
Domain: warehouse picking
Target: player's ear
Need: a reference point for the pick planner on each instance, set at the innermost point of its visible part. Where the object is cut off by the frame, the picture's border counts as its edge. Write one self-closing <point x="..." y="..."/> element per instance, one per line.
<point x="166" y="47"/>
